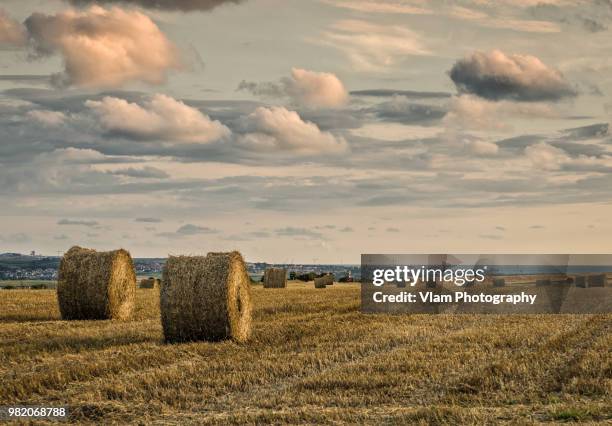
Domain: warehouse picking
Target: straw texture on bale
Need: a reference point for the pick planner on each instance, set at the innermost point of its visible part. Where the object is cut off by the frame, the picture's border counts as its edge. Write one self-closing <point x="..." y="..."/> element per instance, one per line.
<point x="206" y="298"/>
<point x="150" y="283"/>
<point x="275" y="278"/>
<point x="324" y="281"/>
<point x="599" y="280"/>
<point x="96" y="285"/>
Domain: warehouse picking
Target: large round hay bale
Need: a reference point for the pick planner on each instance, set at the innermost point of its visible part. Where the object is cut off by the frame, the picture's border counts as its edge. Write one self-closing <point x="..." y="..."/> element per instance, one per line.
<point x="206" y="298"/>
<point x="96" y="285"/>
<point x="275" y="278"/>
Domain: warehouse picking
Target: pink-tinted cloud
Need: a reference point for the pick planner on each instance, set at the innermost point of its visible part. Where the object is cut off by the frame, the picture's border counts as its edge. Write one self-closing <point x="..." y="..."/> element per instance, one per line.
<point x="183" y="5"/>
<point x="104" y="47"/>
<point x="12" y="32"/>
<point x="160" y="118"/>
<point x="278" y="129"/>
<point x="496" y="75"/>
<point x="306" y="88"/>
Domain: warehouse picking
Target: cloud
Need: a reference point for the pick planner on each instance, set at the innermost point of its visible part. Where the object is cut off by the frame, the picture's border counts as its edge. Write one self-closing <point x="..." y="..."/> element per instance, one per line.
<point x="495" y="75"/>
<point x="369" y="6"/>
<point x="147" y="220"/>
<point x="593" y="16"/>
<point x="308" y="88"/>
<point x="181" y="5"/>
<point x="47" y="118"/>
<point x="400" y="109"/>
<point x="278" y="129"/>
<point x="384" y="93"/>
<point x="12" y="33"/>
<point x="161" y="117"/>
<point x="145" y="172"/>
<point x="546" y="157"/>
<point x="88" y="223"/>
<point x="188" y="230"/>
<point x="291" y="231"/>
<point x="372" y="47"/>
<point x="103" y="47"/>
<point x="472" y="112"/>
<point x="482" y="148"/>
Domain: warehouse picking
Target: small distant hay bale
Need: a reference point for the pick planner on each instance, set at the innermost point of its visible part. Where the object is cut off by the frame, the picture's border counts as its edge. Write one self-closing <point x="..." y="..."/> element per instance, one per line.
<point x="580" y="281"/>
<point x="599" y="280"/>
<point x="275" y="278"/>
<point x="324" y="281"/>
<point x="499" y="282"/>
<point x="150" y="282"/>
<point x="401" y="284"/>
<point x="206" y="298"/>
<point x="96" y="285"/>
<point x="431" y="284"/>
<point x="543" y="282"/>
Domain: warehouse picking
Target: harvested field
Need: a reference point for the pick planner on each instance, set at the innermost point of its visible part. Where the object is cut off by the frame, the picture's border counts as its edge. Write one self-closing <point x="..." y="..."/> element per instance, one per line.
<point x="313" y="358"/>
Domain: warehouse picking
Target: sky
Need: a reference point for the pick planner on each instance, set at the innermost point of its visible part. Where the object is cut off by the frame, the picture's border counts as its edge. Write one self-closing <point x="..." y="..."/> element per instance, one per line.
<point x="306" y="131"/>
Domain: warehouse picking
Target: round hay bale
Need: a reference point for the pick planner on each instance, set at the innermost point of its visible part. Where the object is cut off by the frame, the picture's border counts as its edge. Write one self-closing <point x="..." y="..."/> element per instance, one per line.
<point x="206" y="298"/>
<point x="324" y="281"/>
<point x="150" y="282"/>
<point x="275" y="278"/>
<point x="96" y="285"/>
<point x="499" y="282"/>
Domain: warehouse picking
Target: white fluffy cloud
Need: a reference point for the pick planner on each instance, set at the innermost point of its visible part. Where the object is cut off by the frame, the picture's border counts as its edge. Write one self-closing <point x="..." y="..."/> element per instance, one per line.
<point x="316" y="89"/>
<point x="12" y="32"/>
<point x="495" y="75"/>
<point x="474" y="113"/>
<point x="161" y="117"/>
<point x="278" y="129"/>
<point x="47" y="118"/>
<point x="307" y="88"/>
<point x="104" y="47"/>
<point x="546" y="157"/>
<point x="482" y="148"/>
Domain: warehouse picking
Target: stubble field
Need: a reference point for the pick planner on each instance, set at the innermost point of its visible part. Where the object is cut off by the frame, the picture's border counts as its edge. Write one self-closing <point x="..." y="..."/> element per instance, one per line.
<point x="314" y="358"/>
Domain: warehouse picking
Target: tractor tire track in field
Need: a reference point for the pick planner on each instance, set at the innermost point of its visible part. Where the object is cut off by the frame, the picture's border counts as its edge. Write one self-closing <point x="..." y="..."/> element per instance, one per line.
<point x="247" y="397"/>
<point x="540" y="363"/>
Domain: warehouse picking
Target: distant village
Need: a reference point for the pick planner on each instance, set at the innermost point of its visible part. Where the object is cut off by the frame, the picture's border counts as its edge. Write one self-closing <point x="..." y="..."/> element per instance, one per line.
<point x="34" y="267"/>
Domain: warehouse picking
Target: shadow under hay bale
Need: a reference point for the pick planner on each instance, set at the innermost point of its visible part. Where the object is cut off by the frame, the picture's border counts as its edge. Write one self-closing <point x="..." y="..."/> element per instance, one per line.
<point x="206" y="298"/>
<point x="324" y="281"/>
<point x="275" y="278"/>
<point x="96" y="285"/>
<point x="150" y="283"/>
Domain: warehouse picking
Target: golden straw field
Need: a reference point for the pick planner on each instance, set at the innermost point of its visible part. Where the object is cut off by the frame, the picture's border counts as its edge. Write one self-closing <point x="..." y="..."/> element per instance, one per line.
<point x="313" y="358"/>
